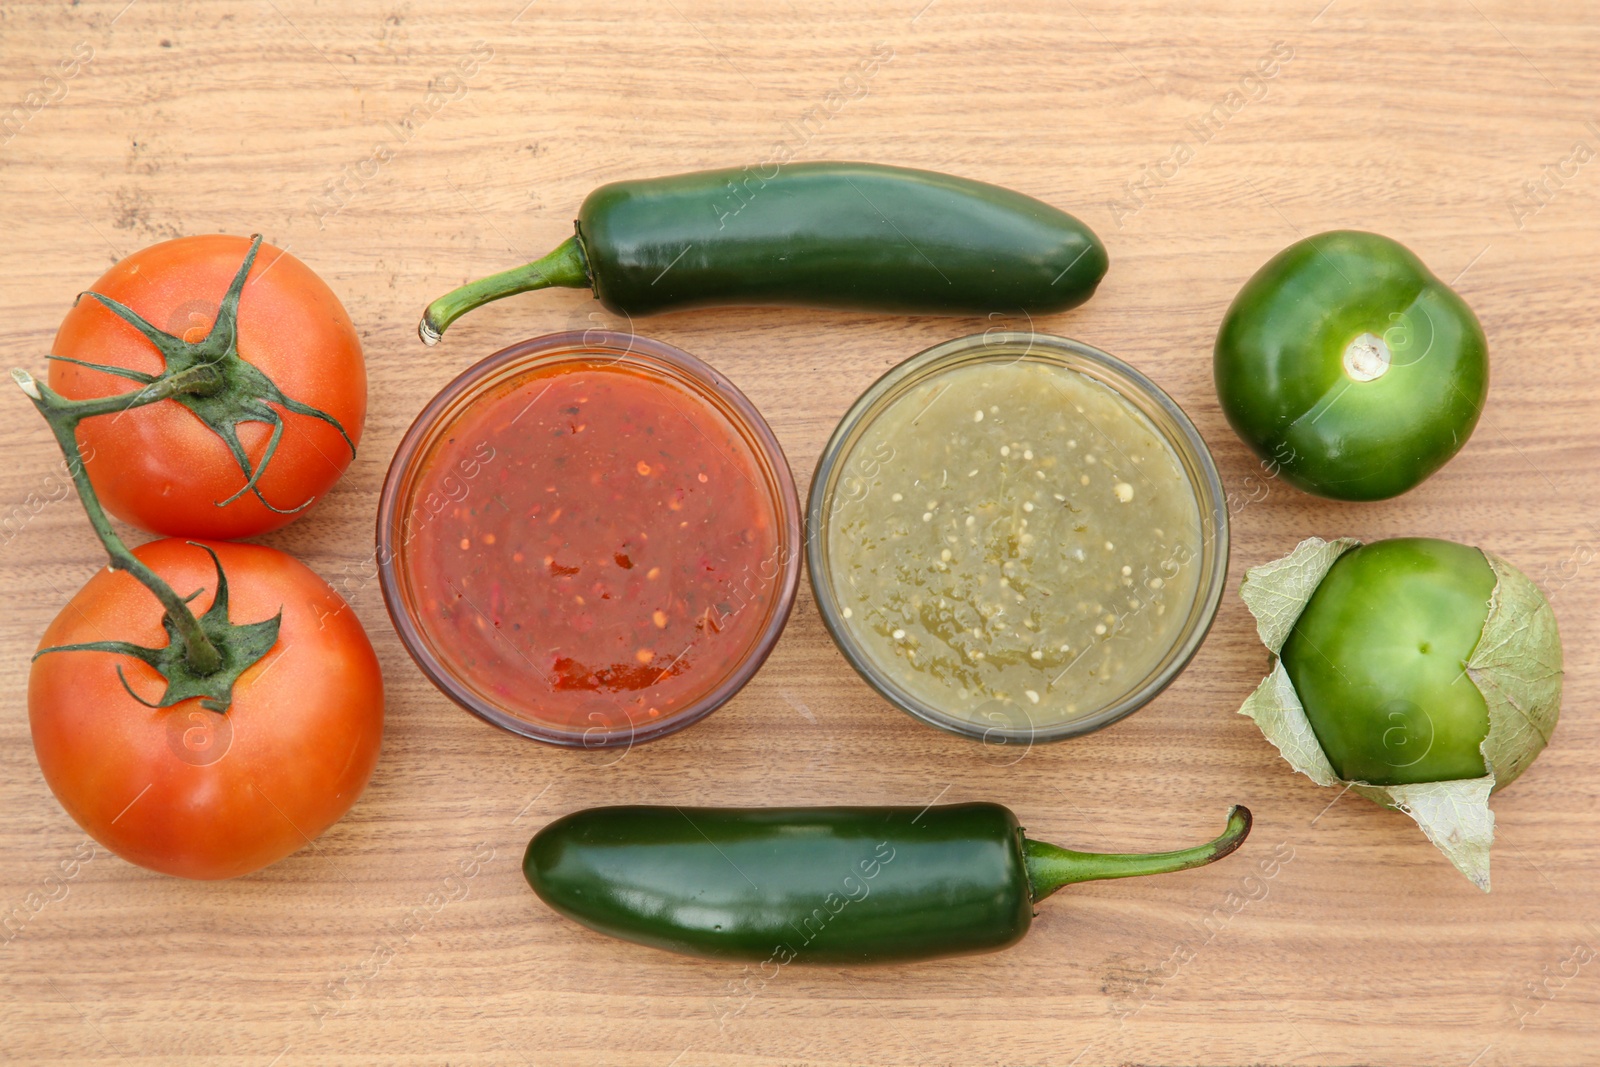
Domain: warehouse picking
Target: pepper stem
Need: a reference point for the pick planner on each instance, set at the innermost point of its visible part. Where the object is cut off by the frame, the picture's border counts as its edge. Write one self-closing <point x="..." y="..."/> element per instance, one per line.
<point x="63" y="415"/>
<point x="564" y="267"/>
<point x="1051" y="867"/>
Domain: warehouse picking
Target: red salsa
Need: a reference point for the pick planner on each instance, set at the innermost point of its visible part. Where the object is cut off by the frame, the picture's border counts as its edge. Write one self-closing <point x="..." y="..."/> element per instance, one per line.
<point x="592" y="545"/>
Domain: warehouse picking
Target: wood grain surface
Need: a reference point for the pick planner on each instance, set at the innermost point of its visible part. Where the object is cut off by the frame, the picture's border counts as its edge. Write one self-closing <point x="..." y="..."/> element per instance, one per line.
<point x="1464" y="128"/>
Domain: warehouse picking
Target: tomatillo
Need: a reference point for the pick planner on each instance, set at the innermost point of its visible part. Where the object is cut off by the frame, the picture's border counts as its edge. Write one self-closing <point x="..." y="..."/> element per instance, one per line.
<point x="1420" y="674"/>
<point x="1349" y="368"/>
<point x="1379" y="658"/>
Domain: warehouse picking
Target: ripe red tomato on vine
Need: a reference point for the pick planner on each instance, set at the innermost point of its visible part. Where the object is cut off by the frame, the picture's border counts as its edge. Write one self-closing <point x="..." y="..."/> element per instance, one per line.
<point x="187" y="789"/>
<point x="275" y="432"/>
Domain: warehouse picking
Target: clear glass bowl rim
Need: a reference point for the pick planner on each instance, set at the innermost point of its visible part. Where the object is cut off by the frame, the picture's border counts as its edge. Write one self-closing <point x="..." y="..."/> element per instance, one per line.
<point x="1189" y="445"/>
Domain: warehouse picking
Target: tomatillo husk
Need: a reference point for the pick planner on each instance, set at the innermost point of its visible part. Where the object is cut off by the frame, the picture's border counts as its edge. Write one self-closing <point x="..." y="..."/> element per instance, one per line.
<point x="1514" y="666"/>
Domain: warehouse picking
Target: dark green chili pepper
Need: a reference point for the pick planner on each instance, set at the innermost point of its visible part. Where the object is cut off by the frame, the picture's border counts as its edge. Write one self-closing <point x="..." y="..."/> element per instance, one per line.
<point x="836" y="235"/>
<point x="860" y="885"/>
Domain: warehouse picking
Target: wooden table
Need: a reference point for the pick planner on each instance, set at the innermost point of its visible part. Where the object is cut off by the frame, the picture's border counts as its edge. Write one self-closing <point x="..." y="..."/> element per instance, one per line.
<point x="1152" y="122"/>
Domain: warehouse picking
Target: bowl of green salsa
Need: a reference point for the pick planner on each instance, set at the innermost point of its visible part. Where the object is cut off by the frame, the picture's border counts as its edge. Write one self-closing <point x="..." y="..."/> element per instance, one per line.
<point x="1017" y="538"/>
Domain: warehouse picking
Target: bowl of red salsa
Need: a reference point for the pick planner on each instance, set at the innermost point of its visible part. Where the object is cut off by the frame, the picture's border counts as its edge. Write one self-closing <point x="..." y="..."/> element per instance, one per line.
<point x="590" y="539"/>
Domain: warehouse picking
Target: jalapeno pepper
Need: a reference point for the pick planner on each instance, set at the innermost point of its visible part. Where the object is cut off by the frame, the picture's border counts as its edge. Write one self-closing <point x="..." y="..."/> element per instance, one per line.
<point x="836" y="235"/>
<point x="860" y="885"/>
<point x="1349" y="368"/>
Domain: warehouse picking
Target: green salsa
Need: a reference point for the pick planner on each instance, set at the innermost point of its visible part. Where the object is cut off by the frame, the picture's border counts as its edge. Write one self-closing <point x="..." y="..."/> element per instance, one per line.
<point x="1014" y="543"/>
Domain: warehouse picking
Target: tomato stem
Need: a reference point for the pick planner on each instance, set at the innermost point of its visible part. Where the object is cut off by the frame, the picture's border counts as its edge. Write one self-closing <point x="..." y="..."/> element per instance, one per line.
<point x="63" y="415"/>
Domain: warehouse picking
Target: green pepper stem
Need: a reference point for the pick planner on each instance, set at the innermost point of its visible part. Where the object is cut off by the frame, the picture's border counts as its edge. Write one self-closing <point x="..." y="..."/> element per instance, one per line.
<point x="1051" y="867"/>
<point x="63" y="415"/>
<point x="565" y="267"/>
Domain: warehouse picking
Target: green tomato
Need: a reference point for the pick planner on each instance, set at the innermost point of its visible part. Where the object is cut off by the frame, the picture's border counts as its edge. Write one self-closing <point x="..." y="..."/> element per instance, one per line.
<point x="1349" y="368"/>
<point x="1379" y="660"/>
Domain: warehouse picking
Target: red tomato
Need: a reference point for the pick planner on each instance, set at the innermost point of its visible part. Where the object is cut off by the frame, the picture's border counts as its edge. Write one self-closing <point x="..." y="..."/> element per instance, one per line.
<point x="188" y="791"/>
<point x="159" y="466"/>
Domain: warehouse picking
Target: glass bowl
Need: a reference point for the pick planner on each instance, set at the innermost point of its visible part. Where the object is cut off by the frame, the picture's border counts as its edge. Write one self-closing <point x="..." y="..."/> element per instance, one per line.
<point x="404" y="510"/>
<point x="835" y="469"/>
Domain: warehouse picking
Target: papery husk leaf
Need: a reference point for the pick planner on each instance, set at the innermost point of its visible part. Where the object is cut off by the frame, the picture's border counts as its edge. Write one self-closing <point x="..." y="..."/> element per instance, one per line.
<point x="1517" y="668"/>
<point x="1454" y="815"/>
<point x="1277" y="592"/>
<point x="1275" y="707"/>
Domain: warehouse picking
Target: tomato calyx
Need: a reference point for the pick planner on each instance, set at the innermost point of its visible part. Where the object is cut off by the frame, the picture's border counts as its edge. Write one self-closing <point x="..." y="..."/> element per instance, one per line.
<point x="233" y="391"/>
<point x="239" y="647"/>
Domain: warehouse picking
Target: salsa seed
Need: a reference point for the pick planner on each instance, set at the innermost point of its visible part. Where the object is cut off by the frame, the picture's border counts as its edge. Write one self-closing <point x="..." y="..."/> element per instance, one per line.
<point x="977" y="416"/>
<point x="1031" y="695"/>
<point x="643" y="468"/>
<point x="1124" y="491"/>
<point x="653" y="573"/>
<point x="660" y="619"/>
<point x="466" y="543"/>
<point x="644" y="655"/>
<point x="899" y="635"/>
<point x="898" y="497"/>
<point x="848" y="613"/>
